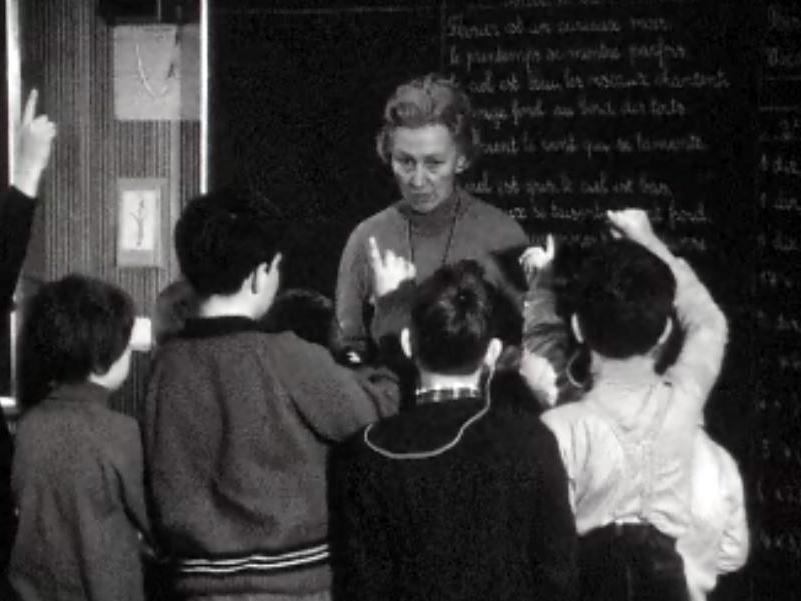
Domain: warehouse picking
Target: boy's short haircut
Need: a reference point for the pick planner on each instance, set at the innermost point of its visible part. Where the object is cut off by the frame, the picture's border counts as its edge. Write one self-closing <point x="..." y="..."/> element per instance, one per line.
<point x="452" y="319"/>
<point x="220" y="238"/>
<point x="625" y="298"/>
<point x="72" y="328"/>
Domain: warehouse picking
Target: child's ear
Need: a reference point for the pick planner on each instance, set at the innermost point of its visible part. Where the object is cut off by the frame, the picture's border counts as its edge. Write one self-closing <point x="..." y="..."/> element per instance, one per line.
<point x="576" y="327"/>
<point x="666" y="332"/>
<point x="406" y="342"/>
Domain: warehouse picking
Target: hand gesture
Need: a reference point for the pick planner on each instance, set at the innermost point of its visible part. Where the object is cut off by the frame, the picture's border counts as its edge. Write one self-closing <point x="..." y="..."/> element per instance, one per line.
<point x="535" y="258"/>
<point x="540" y="377"/>
<point x="34" y="143"/>
<point x="633" y="224"/>
<point x="389" y="270"/>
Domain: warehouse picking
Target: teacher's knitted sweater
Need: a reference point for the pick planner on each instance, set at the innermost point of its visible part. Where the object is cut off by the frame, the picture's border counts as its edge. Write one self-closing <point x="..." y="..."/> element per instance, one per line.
<point x="462" y="227"/>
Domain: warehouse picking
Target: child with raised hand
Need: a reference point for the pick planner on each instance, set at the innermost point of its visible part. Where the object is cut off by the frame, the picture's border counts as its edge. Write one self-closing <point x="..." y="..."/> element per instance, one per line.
<point x="630" y="445"/>
<point x="17" y="206"/>
<point x="77" y="471"/>
<point x="239" y="422"/>
<point x="544" y="362"/>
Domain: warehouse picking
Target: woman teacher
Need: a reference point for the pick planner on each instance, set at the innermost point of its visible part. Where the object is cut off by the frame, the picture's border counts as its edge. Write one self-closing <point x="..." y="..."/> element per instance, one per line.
<point x="428" y="139"/>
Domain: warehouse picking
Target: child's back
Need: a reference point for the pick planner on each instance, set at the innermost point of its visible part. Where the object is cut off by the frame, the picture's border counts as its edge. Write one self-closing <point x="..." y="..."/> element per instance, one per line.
<point x="238" y="422"/>
<point x="237" y="430"/>
<point x="77" y="471"/>
<point x="628" y="444"/>
<point x="78" y="481"/>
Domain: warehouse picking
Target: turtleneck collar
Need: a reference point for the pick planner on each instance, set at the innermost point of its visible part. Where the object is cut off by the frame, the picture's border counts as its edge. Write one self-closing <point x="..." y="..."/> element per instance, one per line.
<point x="438" y="218"/>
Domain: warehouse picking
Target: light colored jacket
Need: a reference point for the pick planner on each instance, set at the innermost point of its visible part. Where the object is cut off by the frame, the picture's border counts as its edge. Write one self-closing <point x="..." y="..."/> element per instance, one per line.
<point x="717" y="539"/>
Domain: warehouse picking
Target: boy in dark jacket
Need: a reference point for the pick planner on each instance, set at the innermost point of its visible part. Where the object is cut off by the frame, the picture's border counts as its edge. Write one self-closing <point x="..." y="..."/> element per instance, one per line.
<point x="238" y="422"/>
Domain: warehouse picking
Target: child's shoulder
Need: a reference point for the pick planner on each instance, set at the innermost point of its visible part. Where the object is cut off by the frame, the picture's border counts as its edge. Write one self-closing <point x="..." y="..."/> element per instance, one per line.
<point x="79" y="424"/>
<point x="569" y="412"/>
<point x="715" y="452"/>
<point x="187" y="354"/>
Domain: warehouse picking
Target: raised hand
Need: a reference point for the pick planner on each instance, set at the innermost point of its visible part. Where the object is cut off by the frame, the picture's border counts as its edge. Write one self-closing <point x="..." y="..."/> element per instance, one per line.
<point x="33" y="147"/>
<point x="633" y="224"/>
<point x="389" y="270"/>
<point x="534" y="258"/>
<point x="539" y="375"/>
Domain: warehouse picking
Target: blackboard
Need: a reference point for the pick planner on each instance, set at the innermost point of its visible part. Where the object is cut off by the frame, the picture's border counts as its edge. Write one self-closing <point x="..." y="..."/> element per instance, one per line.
<point x="688" y="108"/>
<point x="777" y="424"/>
<point x="297" y="91"/>
<point x="589" y="105"/>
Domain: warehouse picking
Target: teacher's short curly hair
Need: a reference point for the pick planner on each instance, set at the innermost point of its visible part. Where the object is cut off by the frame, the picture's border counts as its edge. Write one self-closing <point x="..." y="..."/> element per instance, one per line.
<point x="430" y="100"/>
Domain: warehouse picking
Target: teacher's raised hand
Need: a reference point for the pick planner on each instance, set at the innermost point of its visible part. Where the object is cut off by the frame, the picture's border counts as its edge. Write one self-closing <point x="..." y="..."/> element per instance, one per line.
<point x="389" y="269"/>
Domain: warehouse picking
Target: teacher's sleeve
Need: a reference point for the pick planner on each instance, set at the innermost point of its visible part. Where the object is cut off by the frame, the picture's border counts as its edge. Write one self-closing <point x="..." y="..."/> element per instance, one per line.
<point x="516" y="236"/>
<point x="503" y="268"/>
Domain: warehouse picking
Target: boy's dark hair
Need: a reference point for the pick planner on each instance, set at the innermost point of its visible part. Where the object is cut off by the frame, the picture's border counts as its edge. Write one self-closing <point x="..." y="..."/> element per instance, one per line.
<point x="72" y="327"/>
<point x="220" y="238"/>
<point x="625" y="298"/>
<point x="452" y="319"/>
<point x="307" y="313"/>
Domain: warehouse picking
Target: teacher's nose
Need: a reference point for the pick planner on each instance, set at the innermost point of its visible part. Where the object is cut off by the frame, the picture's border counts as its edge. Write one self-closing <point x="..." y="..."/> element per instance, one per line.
<point x="418" y="176"/>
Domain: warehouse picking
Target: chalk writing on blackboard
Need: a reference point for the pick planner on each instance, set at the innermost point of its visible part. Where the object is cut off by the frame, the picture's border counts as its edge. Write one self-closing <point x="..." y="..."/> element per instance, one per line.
<point x="790" y="362"/>
<point x="787" y="542"/>
<point x="576" y="107"/>
<point x="786" y="493"/>
<point x="778" y="281"/>
<point x="783" y="19"/>
<point x="785" y="202"/>
<point x="781" y="58"/>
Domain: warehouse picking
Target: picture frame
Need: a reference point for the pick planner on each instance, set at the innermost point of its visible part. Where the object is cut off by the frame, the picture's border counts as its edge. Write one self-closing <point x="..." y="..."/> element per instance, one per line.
<point x="140" y="203"/>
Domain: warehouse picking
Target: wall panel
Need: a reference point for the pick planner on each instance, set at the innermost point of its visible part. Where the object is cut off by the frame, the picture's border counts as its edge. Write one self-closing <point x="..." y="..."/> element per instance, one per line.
<point x="67" y="52"/>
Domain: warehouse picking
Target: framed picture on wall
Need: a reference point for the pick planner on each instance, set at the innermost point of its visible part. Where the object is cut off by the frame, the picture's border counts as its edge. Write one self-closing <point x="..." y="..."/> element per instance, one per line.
<point x="139" y="209"/>
<point x="157" y="72"/>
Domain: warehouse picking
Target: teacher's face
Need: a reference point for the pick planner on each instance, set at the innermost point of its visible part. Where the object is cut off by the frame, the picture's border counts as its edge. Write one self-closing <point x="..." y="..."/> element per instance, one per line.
<point x="425" y="161"/>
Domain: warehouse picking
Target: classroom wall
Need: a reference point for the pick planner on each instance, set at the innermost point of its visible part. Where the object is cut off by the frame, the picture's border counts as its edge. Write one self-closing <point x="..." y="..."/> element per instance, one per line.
<point x="67" y="52"/>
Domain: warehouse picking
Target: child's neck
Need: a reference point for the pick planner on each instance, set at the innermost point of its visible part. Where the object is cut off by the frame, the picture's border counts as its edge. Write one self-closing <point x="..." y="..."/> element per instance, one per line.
<point x="622" y="376"/>
<point x="430" y="380"/>
<point x="227" y="306"/>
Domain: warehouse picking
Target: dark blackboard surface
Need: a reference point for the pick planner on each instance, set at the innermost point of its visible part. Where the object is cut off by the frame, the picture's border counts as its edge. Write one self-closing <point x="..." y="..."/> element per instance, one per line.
<point x="297" y="94"/>
<point x="777" y="425"/>
<point x="688" y="108"/>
